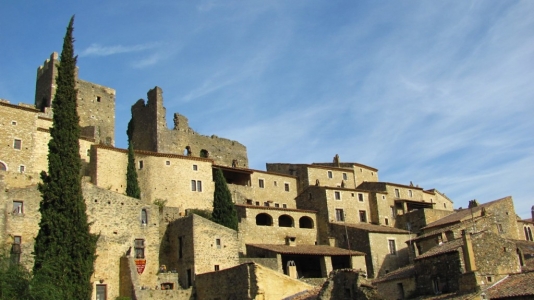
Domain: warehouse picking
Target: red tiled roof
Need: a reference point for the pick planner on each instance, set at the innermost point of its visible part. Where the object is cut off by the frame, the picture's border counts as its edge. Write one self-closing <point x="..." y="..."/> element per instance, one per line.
<point x="404" y="272"/>
<point x="375" y="228"/>
<point x="462" y="214"/>
<point x="515" y="285"/>
<point x="307" y="249"/>
<point x="446" y="247"/>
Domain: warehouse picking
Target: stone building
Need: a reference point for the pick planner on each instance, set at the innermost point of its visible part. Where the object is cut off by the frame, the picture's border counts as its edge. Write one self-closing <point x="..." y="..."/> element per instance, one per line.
<point x="297" y="222"/>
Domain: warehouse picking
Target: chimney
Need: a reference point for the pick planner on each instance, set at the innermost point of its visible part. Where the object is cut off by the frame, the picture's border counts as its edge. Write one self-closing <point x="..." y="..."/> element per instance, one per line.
<point x="469" y="255"/>
<point x="332" y="241"/>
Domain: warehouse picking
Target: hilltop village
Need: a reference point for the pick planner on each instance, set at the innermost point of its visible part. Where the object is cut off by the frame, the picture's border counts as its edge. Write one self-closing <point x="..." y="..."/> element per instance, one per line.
<point x="323" y="230"/>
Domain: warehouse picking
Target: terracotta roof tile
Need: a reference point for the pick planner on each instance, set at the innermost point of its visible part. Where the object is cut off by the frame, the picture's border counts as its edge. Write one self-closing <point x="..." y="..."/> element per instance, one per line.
<point x="446" y="247"/>
<point x="462" y="214"/>
<point x="376" y="228"/>
<point x="404" y="272"/>
<point x="515" y="285"/>
<point x="307" y="249"/>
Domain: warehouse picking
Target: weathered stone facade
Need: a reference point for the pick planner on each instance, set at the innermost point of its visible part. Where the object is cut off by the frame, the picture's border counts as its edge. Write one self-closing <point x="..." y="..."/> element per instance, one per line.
<point x="150" y="133"/>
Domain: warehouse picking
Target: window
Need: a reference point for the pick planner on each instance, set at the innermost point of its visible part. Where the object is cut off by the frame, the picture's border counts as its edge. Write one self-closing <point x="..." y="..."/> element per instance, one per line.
<point x="144" y="217"/>
<point x="383" y="197"/>
<point x="195" y="167"/>
<point x="88" y="152"/>
<point x="218" y="243"/>
<point x="16" y="250"/>
<point x="345" y="177"/>
<point x="410" y="193"/>
<point x="22" y="168"/>
<point x="286" y="187"/>
<point x="217" y="268"/>
<point x="530" y="234"/>
<point x="499" y="228"/>
<point x="17" y="144"/>
<point x="284" y="205"/>
<point x="261" y="183"/>
<point x="276" y="205"/>
<point x="330" y="175"/>
<point x="285" y="221"/>
<point x="266" y="203"/>
<point x="257" y="203"/>
<point x="167" y="162"/>
<point x="3" y="167"/>
<point x="196" y="185"/>
<point x="140" y="164"/>
<point x="305" y="222"/>
<point x="275" y="183"/>
<point x="436" y="285"/>
<point x="363" y="216"/>
<point x="98" y="98"/>
<point x="360" y="197"/>
<point x="444" y="205"/>
<point x="101" y="292"/>
<point x="340" y="216"/>
<point x="18" y="207"/>
<point x="392" y="247"/>
<point x="397" y="193"/>
<point x="249" y="201"/>
<point x="393" y="212"/>
<point x="264" y="219"/>
<point x="337" y="195"/>
<point x="13" y="122"/>
<point x="386" y="221"/>
<point x="400" y="291"/>
<point x="139" y="248"/>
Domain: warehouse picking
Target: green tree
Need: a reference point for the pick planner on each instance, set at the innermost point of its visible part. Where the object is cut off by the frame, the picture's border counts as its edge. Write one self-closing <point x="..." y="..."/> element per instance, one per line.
<point x="132" y="184"/>
<point x="224" y="211"/>
<point x="64" y="247"/>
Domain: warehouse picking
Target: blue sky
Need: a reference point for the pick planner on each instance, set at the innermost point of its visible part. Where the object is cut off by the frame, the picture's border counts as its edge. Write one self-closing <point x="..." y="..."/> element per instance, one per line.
<point x="439" y="93"/>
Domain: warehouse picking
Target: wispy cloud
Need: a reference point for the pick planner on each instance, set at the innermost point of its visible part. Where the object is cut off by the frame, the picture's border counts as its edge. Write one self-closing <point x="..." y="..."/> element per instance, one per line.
<point x="99" y="50"/>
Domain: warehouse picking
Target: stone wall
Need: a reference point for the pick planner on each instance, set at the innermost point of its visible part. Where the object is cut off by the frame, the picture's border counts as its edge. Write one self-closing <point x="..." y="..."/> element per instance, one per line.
<point x="199" y="245"/>
<point x="279" y="230"/>
<point x="96" y="103"/>
<point x="422" y="217"/>
<point x="108" y="170"/>
<point x="403" y="288"/>
<point x="247" y="281"/>
<point x="444" y="270"/>
<point x="152" y="134"/>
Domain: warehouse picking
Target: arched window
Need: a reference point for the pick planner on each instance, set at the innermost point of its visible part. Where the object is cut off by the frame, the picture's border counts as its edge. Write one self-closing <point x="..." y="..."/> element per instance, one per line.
<point x="264" y="219"/>
<point x="285" y="221"/>
<point x="144" y="217"/>
<point x="530" y="234"/>
<point x="305" y="222"/>
<point x="204" y="153"/>
<point x="3" y="167"/>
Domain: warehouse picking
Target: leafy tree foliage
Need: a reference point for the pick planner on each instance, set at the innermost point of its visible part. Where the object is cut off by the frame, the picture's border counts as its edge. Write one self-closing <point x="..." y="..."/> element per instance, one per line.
<point x="14" y="280"/>
<point x="224" y="211"/>
<point x="132" y="184"/>
<point x="64" y="247"/>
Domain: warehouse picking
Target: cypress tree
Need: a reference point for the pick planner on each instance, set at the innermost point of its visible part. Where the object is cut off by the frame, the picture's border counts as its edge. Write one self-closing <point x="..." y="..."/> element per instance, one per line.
<point x="224" y="211"/>
<point x="64" y="247"/>
<point x="132" y="184"/>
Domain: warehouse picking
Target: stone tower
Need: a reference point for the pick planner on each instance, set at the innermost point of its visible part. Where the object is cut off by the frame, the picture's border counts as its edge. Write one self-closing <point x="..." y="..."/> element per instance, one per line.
<point x="96" y="103"/>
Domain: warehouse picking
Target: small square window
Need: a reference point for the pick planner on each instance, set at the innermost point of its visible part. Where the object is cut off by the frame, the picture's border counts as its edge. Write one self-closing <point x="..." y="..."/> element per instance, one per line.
<point x="360" y="197"/>
<point x="383" y="197"/>
<point x="275" y="183"/>
<point x="168" y="163"/>
<point x="261" y="183"/>
<point x="337" y="195"/>
<point x="249" y="201"/>
<point x="217" y="268"/>
<point x="266" y="203"/>
<point x="286" y="187"/>
<point x="13" y="122"/>
<point x="141" y="164"/>
<point x="330" y="175"/>
<point x="98" y="99"/>
<point x="17" y="144"/>
<point x="22" y="169"/>
<point x="195" y="167"/>
<point x="284" y="205"/>
<point x="363" y="216"/>
<point x="276" y="205"/>
<point x="218" y="243"/>
<point x="345" y="177"/>
<point x="18" y="207"/>
<point x="386" y="221"/>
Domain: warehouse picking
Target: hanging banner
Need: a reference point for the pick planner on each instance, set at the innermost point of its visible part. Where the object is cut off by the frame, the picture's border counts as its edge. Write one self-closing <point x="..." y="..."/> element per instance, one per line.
<point x="140" y="264"/>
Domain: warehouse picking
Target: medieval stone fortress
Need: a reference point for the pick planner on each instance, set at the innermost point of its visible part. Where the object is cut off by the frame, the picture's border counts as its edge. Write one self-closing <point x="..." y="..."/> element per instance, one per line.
<point x="329" y="230"/>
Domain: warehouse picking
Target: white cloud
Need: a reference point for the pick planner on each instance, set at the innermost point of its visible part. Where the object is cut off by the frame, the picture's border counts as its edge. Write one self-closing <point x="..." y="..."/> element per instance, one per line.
<point x="99" y="50"/>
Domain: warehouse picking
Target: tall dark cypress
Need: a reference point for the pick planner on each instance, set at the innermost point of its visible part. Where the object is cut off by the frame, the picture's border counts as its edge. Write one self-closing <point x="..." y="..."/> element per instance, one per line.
<point x="132" y="184"/>
<point x="64" y="247"/>
<point x="224" y="211"/>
